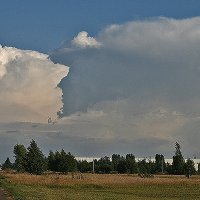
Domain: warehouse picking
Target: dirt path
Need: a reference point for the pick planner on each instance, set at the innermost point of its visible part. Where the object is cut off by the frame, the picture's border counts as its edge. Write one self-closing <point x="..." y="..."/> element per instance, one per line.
<point x="3" y="196"/>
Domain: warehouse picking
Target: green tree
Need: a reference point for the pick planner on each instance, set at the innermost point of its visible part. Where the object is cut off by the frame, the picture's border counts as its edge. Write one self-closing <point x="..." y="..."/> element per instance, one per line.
<point x="159" y="163"/>
<point x="142" y="166"/>
<point x="35" y="160"/>
<point x="189" y="168"/>
<point x="62" y="164"/>
<point x="178" y="161"/>
<point x="57" y="161"/>
<point x="84" y="166"/>
<point x="122" y="166"/>
<point x="104" y="165"/>
<point x="145" y="168"/>
<point x="198" y="168"/>
<point x="7" y="164"/>
<point x="51" y="161"/>
<point x="131" y="164"/>
<point x="71" y="161"/>
<point x="20" y="157"/>
<point x="115" y="161"/>
<point x="61" y="161"/>
<point x="169" y="168"/>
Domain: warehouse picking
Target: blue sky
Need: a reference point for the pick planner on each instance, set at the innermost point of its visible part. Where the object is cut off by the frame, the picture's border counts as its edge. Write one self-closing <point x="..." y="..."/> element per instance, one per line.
<point x="44" y="25"/>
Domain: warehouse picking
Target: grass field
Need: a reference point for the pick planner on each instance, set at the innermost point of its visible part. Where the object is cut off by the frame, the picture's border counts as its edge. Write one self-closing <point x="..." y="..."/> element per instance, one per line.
<point x="100" y="187"/>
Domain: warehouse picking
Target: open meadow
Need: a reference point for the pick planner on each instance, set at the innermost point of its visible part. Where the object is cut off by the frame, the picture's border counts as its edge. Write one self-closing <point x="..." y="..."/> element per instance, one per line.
<point x="100" y="187"/>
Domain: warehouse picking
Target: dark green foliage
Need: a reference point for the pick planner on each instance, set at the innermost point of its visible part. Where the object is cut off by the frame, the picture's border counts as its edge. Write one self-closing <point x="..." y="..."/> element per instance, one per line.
<point x="151" y="167"/>
<point x="122" y="166"/>
<point x="61" y="162"/>
<point x="145" y="167"/>
<point x="104" y="165"/>
<point x="131" y="164"/>
<point x="58" y="161"/>
<point x="198" y="168"/>
<point x="115" y="161"/>
<point x="142" y="166"/>
<point x="35" y="160"/>
<point x="72" y="164"/>
<point x="20" y="158"/>
<point x="51" y="160"/>
<point x="189" y="168"/>
<point x="160" y="165"/>
<point x="168" y="168"/>
<point x="119" y="163"/>
<point x="84" y="166"/>
<point x="7" y="164"/>
<point x="178" y="161"/>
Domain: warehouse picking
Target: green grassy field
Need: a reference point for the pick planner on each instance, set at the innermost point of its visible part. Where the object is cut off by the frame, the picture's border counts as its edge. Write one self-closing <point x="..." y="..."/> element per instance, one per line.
<point x="96" y="187"/>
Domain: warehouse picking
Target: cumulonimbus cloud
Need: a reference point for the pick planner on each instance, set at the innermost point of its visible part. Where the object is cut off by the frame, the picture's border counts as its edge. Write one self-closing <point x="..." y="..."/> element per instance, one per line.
<point x="157" y="58"/>
<point x="143" y="80"/>
<point x="29" y="85"/>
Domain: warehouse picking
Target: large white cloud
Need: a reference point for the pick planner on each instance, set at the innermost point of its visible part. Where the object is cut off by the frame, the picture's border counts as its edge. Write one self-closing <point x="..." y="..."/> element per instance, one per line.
<point x="28" y="85"/>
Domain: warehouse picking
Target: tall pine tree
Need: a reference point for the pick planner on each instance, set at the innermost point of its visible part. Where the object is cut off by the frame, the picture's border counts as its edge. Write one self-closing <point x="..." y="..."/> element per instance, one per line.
<point x="35" y="160"/>
<point x="7" y="164"/>
<point x="178" y="161"/>
<point x="20" y="157"/>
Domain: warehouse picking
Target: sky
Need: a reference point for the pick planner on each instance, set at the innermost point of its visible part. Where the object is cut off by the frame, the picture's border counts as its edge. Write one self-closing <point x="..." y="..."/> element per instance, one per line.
<point x="44" y="25"/>
<point x="113" y="76"/>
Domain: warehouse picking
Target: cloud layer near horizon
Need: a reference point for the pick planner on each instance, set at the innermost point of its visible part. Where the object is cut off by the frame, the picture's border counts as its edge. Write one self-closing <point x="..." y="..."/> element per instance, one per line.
<point x="28" y="86"/>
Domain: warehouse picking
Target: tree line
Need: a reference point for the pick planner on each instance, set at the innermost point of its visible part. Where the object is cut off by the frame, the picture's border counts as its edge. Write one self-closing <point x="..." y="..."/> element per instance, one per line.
<point x="33" y="161"/>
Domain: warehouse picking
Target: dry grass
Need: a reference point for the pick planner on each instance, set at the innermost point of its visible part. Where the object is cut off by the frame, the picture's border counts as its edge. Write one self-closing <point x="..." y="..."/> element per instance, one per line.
<point x="101" y="187"/>
<point x="99" y="179"/>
